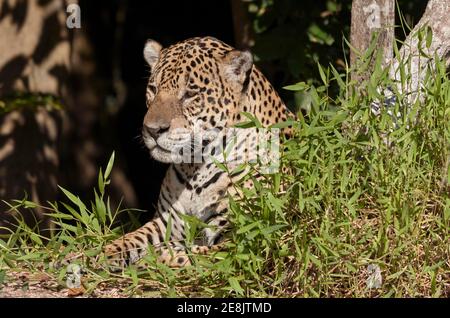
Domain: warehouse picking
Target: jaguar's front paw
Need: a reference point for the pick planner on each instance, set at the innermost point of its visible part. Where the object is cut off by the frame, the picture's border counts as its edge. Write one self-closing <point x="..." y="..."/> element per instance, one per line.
<point x="116" y="259"/>
<point x="174" y="258"/>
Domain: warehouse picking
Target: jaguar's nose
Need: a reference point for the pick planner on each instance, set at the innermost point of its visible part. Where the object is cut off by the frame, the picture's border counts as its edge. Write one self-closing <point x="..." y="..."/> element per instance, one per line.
<point x="154" y="131"/>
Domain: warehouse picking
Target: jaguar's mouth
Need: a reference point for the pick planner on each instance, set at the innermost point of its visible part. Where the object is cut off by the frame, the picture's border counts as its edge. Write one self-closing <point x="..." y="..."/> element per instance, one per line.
<point x="163" y="150"/>
<point x="176" y="150"/>
<point x="161" y="153"/>
<point x="149" y="142"/>
<point x="171" y="147"/>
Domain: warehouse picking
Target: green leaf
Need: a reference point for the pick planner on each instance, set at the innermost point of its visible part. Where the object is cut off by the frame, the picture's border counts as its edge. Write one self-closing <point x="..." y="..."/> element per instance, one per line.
<point x="96" y="226"/>
<point x="132" y="271"/>
<point x="338" y="78"/>
<point x="69" y="227"/>
<point x="219" y="165"/>
<point x="284" y="124"/>
<point x="100" y="208"/>
<point x="76" y="200"/>
<point x="60" y="216"/>
<point x="234" y="283"/>
<point x="35" y="238"/>
<point x="168" y="233"/>
<point x="314" y="259"/>
<point x="27" y="204"/>
<point x="318" y="35"/>
<point x="322" y="75"/>
<point x="300" y="86"/>
<point x="101" y="183"/>
<point x="253" y="120"/>
<point x="70" y="196"/>
<point x="248" y="227"/>
<point x="273" y="228"/>
<point x="72" y="211"/>
<point x="30" y="256"/>
<point x="110" y="165"/>
<point x="429" y="37"/>
<point x="93" y="252"/>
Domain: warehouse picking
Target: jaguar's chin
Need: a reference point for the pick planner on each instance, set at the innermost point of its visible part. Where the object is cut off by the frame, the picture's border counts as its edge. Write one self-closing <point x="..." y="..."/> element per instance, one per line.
<point x="162" y="155"/>
<point x="167" y="151"/>
<point x="158" y="153"/>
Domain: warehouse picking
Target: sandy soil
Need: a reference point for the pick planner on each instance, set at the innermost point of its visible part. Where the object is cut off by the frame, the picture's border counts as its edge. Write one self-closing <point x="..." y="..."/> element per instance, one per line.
<point x="41" y="285"/>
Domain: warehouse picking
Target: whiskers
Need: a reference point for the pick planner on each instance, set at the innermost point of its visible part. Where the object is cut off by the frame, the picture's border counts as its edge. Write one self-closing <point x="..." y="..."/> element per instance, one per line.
<point x="141" y="141"/>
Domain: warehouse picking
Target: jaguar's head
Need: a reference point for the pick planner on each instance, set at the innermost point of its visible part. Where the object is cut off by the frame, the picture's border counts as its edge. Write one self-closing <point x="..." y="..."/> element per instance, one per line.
<point x="195" y="86"/>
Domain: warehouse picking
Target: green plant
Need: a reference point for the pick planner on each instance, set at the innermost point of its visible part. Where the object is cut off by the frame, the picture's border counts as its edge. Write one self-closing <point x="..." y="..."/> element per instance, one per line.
<point x="364" y="192"/>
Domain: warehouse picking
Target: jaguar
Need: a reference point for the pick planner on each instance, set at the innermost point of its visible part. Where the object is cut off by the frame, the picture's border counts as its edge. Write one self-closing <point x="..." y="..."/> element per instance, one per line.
<point x="196" y="85"/>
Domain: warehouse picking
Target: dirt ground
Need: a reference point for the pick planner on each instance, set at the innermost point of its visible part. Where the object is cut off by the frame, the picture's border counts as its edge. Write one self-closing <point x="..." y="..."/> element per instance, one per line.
<point x="41" y="285"/>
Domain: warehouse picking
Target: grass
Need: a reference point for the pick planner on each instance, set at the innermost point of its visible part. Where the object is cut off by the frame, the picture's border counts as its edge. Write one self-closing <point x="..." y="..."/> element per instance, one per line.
<point x="364" y="193"/>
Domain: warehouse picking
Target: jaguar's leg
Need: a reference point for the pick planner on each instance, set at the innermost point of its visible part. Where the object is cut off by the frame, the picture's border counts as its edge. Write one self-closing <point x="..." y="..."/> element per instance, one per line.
<point x="131" y="247"/>
<point x="217" y="227"/>
<point x="174" y="257"/>
<point x="205" y="249"/>
<point x="212" y="236"/>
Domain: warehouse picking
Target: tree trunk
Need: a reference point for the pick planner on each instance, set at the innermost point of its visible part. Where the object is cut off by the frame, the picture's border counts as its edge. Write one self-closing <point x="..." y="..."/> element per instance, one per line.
<point x="419" y="56"/>
<point x="370" y="17"/>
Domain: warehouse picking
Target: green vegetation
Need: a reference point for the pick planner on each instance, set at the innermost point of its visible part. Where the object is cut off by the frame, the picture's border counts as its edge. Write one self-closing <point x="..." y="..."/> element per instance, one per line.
<point x="351" y="201"/>
<point x="31" y="101"/>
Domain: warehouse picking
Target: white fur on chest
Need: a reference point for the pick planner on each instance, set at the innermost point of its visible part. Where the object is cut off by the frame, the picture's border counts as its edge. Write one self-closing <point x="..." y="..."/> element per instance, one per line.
<point x="191" y="201"/>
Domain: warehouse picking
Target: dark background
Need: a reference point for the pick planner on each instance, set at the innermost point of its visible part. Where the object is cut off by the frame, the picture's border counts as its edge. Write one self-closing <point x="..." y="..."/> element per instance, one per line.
<point x="166" y="22"/>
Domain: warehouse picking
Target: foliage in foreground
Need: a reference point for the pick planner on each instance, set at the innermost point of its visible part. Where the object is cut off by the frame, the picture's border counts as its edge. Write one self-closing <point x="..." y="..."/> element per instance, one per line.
<point x="365" y="192"/>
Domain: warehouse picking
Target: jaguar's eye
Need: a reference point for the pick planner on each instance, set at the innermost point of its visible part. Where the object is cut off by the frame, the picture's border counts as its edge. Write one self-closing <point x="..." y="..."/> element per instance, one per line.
<point x="189" y="94"/>
<point x="152" y="89"/>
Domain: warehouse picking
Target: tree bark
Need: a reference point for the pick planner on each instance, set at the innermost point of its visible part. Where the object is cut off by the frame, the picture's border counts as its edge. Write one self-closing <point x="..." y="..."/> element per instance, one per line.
<point x="418" y="56"/>
<point x="369" y="17"/>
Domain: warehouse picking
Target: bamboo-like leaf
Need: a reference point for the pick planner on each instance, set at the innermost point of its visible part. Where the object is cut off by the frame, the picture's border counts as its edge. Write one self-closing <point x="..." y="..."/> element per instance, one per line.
<point x="109" y="166"/>
<point x="234" y="283"/>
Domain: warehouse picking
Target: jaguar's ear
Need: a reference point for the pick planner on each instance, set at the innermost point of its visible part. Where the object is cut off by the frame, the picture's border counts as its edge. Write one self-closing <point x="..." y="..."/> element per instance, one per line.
<point x="152" y="50"/>
<point x="237" y="65"/>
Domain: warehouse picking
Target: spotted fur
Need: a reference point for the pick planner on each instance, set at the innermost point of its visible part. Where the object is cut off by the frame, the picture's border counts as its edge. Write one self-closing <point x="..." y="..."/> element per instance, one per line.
<point x="197" y="80"/>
